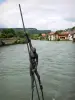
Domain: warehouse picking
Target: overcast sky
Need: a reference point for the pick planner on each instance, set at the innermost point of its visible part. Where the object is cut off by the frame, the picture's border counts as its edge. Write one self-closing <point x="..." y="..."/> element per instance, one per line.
<point x="40" y="14"/>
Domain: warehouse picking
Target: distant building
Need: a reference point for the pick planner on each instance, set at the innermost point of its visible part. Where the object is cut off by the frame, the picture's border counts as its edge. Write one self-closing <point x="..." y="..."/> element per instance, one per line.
<point x="64" y="36"/>
<point x="70" y="36"/>
<point x="60" y="36"/>
<point x="43" y="35"/>
<point x="51" y="36"/>
<point x="73" y="37"/>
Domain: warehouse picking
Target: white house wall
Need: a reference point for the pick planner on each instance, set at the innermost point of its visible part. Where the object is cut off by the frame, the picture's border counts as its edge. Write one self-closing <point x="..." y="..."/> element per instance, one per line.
<point x="52" y="37"/>
<point x="49" y="37"/>
<point x="70" y="37"/>
<point x="74" y="36"/>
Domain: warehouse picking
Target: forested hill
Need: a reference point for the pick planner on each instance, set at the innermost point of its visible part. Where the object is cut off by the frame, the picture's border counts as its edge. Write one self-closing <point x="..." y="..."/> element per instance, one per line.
<point x="29" y="30"/>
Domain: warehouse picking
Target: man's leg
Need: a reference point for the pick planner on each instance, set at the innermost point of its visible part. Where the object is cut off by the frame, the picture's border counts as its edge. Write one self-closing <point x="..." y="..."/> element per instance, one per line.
<point x="38" y="76"/>
<point x="32" y="76"/>
<point x="32" y="81"/>
<point x="32" y="84"/>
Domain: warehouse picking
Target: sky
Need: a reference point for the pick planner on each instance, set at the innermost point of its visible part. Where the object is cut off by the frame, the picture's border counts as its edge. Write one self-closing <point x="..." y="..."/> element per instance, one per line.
<point x="40" y="14"/>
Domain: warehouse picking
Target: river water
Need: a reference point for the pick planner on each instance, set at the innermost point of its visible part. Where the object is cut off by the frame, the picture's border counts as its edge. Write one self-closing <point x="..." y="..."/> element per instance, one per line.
<point x="56" y="68"/>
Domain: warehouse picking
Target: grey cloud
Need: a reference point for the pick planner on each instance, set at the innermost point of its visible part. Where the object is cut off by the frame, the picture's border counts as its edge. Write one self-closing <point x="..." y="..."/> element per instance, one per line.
<point x="70" y="19"/>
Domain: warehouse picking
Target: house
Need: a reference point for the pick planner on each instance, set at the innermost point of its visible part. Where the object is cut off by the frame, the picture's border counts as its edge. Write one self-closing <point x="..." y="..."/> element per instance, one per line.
<point x="63" y="36"/>
<point x="70" y="36"/>
<point x="73" y="37"/>
<point x="43" y="35"/>
<point x="51" y="36"/>
<point x="59" y="36"/>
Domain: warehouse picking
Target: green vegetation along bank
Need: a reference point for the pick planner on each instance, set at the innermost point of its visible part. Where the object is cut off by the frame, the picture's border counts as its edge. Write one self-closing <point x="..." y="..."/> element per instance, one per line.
<point x="11" y="36"/>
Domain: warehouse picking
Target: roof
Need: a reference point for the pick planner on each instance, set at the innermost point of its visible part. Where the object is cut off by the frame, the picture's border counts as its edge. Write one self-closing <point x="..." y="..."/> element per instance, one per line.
<point x="60" y="34"/>
<point x="64" y="34"/>
<point x="51" y="33"/>
<point x="43" y="34"/>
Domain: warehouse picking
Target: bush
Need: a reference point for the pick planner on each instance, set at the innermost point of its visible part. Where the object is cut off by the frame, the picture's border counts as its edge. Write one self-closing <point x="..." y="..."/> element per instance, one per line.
<point x="58" y="39"/>
<point x="20" y="41"/>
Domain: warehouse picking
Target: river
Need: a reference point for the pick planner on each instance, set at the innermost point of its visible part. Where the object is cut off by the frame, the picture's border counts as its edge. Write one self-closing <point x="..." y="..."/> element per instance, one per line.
<point x="56" y="68"/>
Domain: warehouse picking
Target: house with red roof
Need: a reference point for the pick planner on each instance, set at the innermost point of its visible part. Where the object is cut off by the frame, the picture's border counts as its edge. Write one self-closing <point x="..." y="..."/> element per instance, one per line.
<point x="59" y="36"/>
<point x="63" y="36"/>
<point x="43" y="35"/>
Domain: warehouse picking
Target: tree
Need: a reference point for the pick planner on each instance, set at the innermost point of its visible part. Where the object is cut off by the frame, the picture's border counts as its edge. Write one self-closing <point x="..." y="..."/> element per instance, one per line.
<point x="20" y="34"/>
<point x="7" y="33"/>
<point x="73" y="28"/>
<point x="59" y="31"/>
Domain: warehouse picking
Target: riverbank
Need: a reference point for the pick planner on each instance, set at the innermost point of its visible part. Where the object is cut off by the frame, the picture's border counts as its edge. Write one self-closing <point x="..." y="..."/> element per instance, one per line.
<point x="11" y="41"/>
<point x="14" y="40"/>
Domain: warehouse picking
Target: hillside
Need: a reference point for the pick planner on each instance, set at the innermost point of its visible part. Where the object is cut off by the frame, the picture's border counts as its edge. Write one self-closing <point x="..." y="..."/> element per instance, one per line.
<point x="30" y="30"/>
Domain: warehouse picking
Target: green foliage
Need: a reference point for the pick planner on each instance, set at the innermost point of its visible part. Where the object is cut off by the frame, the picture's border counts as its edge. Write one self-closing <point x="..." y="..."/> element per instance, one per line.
<point x="20" y="34"/>
<point x="39" y="34"/>
<point x="19" y="41"/>
<point x="7" y="33"/>
<point x="73" y="28"/>
<point x="34" y="36"/>
<point x="58" y="39"/>
<point x="58" y="31"/>
<point x="2" y="35"/>
<point x="32" y="33"/>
